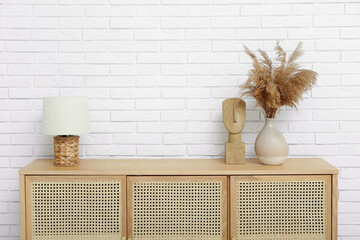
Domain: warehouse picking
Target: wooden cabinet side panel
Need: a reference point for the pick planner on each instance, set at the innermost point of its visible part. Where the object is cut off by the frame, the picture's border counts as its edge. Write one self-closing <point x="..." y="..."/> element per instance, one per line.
<point x="28" y="212"/>
<point x="329" y="202"/>
<point x="334" y="214"/>
<point x="22" y="189"/>
<point x="224" y="196"/>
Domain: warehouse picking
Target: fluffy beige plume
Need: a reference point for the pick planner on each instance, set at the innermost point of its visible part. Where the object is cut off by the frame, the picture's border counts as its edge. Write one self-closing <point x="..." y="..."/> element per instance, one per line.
<point x="276" y="86"/>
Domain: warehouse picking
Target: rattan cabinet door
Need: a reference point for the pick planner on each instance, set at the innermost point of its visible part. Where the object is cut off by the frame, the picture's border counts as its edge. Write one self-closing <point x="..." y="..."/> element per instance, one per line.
<point x="75" y="208"/>
<point x="177" y="208"/>
<point x="280" y="207"/>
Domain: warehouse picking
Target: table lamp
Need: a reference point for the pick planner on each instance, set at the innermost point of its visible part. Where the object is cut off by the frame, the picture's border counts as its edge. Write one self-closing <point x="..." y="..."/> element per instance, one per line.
<point x="65" y="117"/>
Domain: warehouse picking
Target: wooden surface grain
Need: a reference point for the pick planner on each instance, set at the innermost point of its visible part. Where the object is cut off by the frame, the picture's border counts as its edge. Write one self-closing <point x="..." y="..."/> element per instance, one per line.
<point x="179" y="167"/>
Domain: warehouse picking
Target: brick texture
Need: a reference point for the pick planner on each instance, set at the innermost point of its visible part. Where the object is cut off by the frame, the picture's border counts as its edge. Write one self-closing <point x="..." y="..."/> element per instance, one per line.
<point x="156" y="72"/>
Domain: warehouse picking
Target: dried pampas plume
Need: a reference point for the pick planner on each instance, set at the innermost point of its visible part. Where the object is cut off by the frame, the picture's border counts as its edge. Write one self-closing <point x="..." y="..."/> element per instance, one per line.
<point x="276" y="86"/>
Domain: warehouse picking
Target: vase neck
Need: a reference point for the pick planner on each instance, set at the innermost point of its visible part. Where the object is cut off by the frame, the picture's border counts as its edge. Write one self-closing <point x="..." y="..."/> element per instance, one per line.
<point x="270" y="122"/>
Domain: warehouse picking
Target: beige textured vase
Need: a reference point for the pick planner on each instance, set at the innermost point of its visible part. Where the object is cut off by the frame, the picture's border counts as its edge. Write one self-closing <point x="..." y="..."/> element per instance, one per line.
<point x="270" y="145"/>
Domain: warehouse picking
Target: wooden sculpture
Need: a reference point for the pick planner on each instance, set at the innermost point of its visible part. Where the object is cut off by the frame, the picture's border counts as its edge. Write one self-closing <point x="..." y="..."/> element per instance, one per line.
<point x="234" y="115"/>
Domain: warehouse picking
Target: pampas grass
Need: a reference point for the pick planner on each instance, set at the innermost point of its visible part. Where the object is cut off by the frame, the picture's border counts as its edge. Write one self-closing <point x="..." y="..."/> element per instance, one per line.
<point x="276" y="86"/>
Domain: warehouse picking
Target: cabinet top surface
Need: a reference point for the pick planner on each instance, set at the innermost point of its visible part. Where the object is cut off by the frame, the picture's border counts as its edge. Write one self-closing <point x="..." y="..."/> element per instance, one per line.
<point x="178" y="167"/>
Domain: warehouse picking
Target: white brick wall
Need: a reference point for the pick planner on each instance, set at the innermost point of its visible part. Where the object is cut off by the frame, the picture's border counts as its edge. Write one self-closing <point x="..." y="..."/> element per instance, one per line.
<point x="156" y="72"/>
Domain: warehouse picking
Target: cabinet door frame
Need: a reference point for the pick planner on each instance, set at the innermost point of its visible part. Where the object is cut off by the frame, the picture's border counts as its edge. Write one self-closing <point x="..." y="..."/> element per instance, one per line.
<point x="224" y="196"/>
<point x="250" y="178"/>
<point x="30" y="179"/>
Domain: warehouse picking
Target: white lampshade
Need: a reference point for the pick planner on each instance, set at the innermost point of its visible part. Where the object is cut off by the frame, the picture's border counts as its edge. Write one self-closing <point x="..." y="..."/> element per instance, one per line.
<point x="65" y="116"/>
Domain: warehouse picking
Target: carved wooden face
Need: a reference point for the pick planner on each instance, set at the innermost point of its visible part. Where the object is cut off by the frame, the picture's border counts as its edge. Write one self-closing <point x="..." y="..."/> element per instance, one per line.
<point x="234" y="114"/>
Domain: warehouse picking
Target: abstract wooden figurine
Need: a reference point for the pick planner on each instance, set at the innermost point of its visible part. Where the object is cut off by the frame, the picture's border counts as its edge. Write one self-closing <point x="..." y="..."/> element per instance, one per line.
<point x="234" y="115"/>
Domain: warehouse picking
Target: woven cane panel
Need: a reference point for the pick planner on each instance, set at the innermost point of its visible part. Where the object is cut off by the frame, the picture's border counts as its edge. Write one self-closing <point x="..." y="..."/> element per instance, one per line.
<point x="177" y="210"/>
<point x="281" y="210"/>
<point x="76" y="210"/>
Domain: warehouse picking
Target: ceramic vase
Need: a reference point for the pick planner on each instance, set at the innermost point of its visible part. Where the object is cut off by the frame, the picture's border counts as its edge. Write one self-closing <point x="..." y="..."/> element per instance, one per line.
<point x="270" y="146"/>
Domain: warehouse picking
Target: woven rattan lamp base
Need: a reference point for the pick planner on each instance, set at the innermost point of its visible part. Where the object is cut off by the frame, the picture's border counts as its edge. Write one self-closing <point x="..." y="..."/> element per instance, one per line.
<point x="66" y="151"/>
